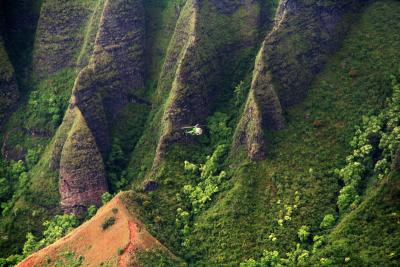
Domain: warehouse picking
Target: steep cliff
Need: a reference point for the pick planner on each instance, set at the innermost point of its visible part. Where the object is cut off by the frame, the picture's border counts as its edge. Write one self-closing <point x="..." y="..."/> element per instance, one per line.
<point x="114" y="74"/>
<point x="265" y="203"/>
<point x="82" y="177"/>
<point x="116" y="69"/>
<point x="44" y="50"/>
<point x="209" y="34"/>
<point x="288" y="62"/>
<point x="59" y="35"/>
<point x="97" y="98"/>
<point x="93" y="37"/>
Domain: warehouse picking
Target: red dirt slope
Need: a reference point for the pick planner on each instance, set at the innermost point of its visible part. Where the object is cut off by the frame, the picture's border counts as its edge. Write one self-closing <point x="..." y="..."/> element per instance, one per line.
<point x="113" y="246"/>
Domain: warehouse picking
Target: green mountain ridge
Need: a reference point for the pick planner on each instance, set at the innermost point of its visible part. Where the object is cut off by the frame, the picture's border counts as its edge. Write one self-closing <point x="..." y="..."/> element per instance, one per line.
<point x="297" y="164"/>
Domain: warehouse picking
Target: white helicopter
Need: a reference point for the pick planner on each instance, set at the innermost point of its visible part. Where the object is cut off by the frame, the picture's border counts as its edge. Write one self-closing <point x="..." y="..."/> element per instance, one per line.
<point x="193" y="130"/>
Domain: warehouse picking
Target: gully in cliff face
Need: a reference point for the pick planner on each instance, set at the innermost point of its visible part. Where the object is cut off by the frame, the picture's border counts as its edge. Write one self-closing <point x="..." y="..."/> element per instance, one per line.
<point x="102" y="89"/>
<point x="293" y="53"/>
<point x="194" y="71"/>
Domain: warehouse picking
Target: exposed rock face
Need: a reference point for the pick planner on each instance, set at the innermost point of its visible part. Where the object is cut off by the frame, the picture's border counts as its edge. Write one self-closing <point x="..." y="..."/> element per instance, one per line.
<point x="59" y="35"/>
<point x="115" y="72"/>
<point x="88" y="99"/>
<point x="86" y="51"/>
<point x="82" y="175"/>
<point x="119" y="53"/>
<point x="8" y="86"/>
<point x="192" y="68"/>
<point x="304" y="36"/>
<point x="116" y="69"/>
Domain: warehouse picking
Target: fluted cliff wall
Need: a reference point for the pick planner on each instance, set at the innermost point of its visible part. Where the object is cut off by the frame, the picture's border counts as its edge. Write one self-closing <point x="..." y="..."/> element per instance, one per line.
<point x="115" y="71"/>
<point x="60" y="34"/>
<point x="305" y="34"/>
<point x="209" y="35"/>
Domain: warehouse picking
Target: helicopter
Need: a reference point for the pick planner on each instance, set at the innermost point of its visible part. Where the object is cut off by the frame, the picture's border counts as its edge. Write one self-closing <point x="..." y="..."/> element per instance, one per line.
<point x="193" y="130"/>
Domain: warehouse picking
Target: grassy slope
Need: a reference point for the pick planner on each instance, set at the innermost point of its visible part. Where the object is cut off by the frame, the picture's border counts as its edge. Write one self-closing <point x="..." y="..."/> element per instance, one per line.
<point x="239" y="222"/>
<point x="338" y="101"/>
<point x="40" y="198"/>
<point x="221" y="31"/>
<point x="160" y="23"/>
<point x="34" y="113"/>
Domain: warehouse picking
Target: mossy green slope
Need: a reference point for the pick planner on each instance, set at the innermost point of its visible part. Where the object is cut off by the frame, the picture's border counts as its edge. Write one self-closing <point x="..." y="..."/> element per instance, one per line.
<point x="369" y="235"/>
<point x="161" y="19"/>
<point x="205" y="35"/>
<point x="45" y="100"/>
<point x="219" y="35"/>
<point x="304" y="35"/>
<point x="30" y="129"/>
<point x="123" y="77"/>
<point x="303" y="156"/>
<point x="164" y="26"/>
<point x="143" y="155"/>
<point x="299" y="171"/>
<point x="82" y="174"/>
<point x="60" y="33"/>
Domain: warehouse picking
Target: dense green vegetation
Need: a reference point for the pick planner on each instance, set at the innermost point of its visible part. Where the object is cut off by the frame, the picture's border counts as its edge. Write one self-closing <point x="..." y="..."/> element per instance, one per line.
<point x="66" y="258"/>
<point x="44" y="109"/>
<point x="127" y="130"/>
<point x="108" y="222"/>
<point x="31" y="128"/>
<point x="157" y="258"/>
<point x="30" y="194"/>
<point x="362" y="165"/>
<point x="54" y="229"/>
<point x="58" y="227"/>
<point x="263" y="206"/>
<point x="326" y="195"/>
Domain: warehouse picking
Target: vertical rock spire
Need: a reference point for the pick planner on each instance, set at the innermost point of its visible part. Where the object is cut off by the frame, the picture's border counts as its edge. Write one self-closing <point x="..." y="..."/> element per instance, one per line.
<point x="82" y="175"/>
